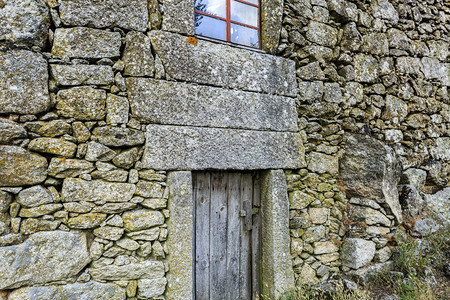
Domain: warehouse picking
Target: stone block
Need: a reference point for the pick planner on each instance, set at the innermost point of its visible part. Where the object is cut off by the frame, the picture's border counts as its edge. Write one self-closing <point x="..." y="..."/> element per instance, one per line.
<point x="197" y="148"/>
<point x="299" y="200"/>
<point x="62" y="168"/>
<point x="322" y="34"/>
<point x="34" y="196"/>
<point x="137" y="55"/>
<point x="323" y="163"/>
<point x="219" y="65"/>
<point x="357" y="253"/>
<point x="19" y="167"/>
<point x="81" y="103"/>
<point x="442" y="149"/>
<point x="130" y="15"/>
<point x="10" y="130"/>
<point x="383" y="9"/>
<point x="23" y="82"/>
<point x="142" y="219"/>
<point x="24" y="22"/>
<point x="86" y="221"/>
<point x="44" y="257"/>
<point x="31" y="226"/>
<point x="118" y="137"/>
<point x="325" y="247"/>
<point x="75" y="189"/>
<point x="438" y="203"/>
<point x="150" y="288"/>
<point x="90" y="290"/>
<point x="82" y="42"/>
<point x="366" y="68"/>
<point x="82" y="74"/>
<point x="144" y="270"/>
<point x="117" y="109"/>
<point x="177" y="103"/>
<point x="271" y="20"/>
<point x="54" y="146"/>
<point x="178" y="17"/>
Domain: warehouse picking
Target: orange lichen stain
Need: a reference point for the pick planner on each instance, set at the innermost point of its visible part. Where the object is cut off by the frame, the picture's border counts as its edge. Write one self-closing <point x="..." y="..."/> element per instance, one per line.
<point x="192" y="40"/>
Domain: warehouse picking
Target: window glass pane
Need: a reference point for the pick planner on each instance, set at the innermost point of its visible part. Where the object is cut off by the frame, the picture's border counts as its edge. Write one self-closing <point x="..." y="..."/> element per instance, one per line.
<point x="244" y="36"/>
<point x="210" y="27"/>
<point x="244" y="13"/>
<point x="213" y="7"/>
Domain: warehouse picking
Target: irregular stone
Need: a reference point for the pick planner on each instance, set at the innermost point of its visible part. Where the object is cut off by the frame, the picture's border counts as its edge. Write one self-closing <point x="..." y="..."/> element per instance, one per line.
<point x="442" y="149"/>
<point x="98" y="152"/>
<point x="142" y="219"/>
<point x="150" y="288"/>
<point x="322" y="34"/>
<point x="366" y="68"/>
<point x="132" y="15"/>
<point x="383" y="255"/>
<point x="149" y="189"/>
<point x="23" y="81"/>
<point x="151" y="175"/>
<point x="398" y="39"/>
<point x="82" y="74"/>
<point x="145" y="235"/>
<point x="370" y="170"/>
<point x="377" y="230"/>
<point x="432" y="68"/>
<point x="418" y="121"/>
<point x="10" y="130"/>
<point x="75" y="189"/>
<point x="438" y="203"/>
<point x="314" y="234"/>
<point x="204" y="148"/>
<point x="24" y="22"/>
<point x="323" y="163"/>
<point x="118" y="137"/>
<point x="375" y="43"/>
<point x="81" y="103"/>
<point x="383" y="9"/>
<point x="319" y="215"/>
<point x="347" y="10"/>
<point x="62" y="168"/>
<point x="114" y="208"/>
<point x="365" y="275"/>
<point x="368" y="215"/>
<point x="79" y="207"/>
<point x="127" y="158"/>
<point x="10" y="239"/>
<point x="311" y="71"/>
<point x="351" y="38"/>
<point x="215" y="64"/>
<point x="177" y="103"/>
<point x="90" y="290"/>
<point x="80" y="132"/>
<point x="30" y="226"/>
<point x="332" y="93"/>
<point x="310" y="91"/>
<point x="5" y="201"/>
<point x="137" y="55"/>
<point x="325" y="247"/>
<point x="116" y="109"/>
<point x="414" y="177"/>
<point x="55" y="128"/>
<point x="357" y="253"/>
<point x="396" y="110"/>
<point x="393" y="135"/>
<point x="109" y="233"/>
<point x="112" y="175"/>
<point x="44" y="257"/>
<point x="54" y="146"/>
<point x="308" y="275"/>
<point x="86" y="221"/>
<point x="35" y="212"/>
<point x="82" y="42"/>
<point x="34" y="196"/>
<point x="409" y="65"/>
<point x="128" y="244"/>
<point x="157" y="203"/>
<point x="299" y="200"/>
<point x="144" y="270"/>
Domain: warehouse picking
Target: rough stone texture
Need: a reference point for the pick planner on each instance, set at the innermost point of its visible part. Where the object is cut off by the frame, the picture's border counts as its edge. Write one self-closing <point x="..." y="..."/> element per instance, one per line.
<point x="357" y="253"/>
<point x="370" y="170"/>
<point x="145" y="270"/>
<point x="86" y="221"/>
<point x="178" y="16"/>
<point x="117" y="137"/>
<point x="271" y="17"/>
<point x="366" y="68"/>
<point x="385" y="10"/>
<point x="225" y="66"/>
<point x="149" y="189"/>
<point x="299" y="200"/>
<point x="82" y="74"/>
<point x="180" y="278"/>
<point x="75" y="189"/>
<point x="439" y="204"/>
<point x="142" y="219"/>
<point x="116" y="109"/>
<point x="137" y="56"/>
<point x="62" y="168"/>
<point x="30" y="226"/>
<point x="98" y="152"/>
<point x="276" y="263"/>
<point x="35" y="212"/>
<point x="442" y="149"/>
<point x="24" y="22"/>
<point x="82" y="103"/>
<point x="34" y="196"/>
<point x="149" y="288"/>
<point x="10" y="131"/>
<point x="130" y="15"/>
<point x="174" y="103"/>
<point x="23" y="82"/>
<point x="42" y="258"/>
<point x="193" y="148"/>
<point x="54" y="146"/>
<point x="83" y="291"/>
<point x="82" y="42"/>
<point x="322" y="34"/>
<point x="323" y="163"/>
<point x="20" y="167"/>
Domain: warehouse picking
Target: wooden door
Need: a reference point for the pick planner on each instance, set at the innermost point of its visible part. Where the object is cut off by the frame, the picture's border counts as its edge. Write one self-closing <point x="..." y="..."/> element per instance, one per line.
<point x="227" y="235"/>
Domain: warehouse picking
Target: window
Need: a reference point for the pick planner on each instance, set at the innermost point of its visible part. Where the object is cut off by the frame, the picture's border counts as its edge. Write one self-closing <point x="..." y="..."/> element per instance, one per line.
<point x="235" y="21"/>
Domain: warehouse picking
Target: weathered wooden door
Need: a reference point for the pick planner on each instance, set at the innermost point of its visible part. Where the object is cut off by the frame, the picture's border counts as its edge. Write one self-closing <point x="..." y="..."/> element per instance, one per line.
<point x="227" y="235"/>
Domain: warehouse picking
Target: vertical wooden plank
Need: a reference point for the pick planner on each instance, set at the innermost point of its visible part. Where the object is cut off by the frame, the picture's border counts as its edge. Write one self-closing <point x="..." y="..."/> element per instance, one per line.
<point x="218" y="235"/>
<point x="234" y="235"/>
<point x="202" y="253"/>
<point x="245" y="262"/>
<point x="256" y="238"/>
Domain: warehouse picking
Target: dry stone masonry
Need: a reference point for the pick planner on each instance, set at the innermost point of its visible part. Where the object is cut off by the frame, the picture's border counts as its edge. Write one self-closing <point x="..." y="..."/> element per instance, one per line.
<point x="105" y="108"/>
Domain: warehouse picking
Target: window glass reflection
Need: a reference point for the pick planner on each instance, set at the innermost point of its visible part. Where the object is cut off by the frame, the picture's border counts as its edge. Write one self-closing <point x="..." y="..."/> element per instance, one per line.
<point x="244" y="13"/>
<point x="213" y="7"/>
<point x="210" y="27"/>
<point x="244" y="36"/>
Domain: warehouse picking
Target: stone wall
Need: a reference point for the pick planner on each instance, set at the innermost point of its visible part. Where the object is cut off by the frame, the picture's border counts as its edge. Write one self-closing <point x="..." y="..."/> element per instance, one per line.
<point x="98" y="100"/>
<point x="374" y="111"/>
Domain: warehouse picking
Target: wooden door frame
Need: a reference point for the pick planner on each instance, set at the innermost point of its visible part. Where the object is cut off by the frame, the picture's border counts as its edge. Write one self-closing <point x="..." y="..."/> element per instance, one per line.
<point x="277" y="275"/>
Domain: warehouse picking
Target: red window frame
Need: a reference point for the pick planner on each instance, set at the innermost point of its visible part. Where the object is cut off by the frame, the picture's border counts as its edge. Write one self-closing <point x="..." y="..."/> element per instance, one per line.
<point x="229" y="21"/>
